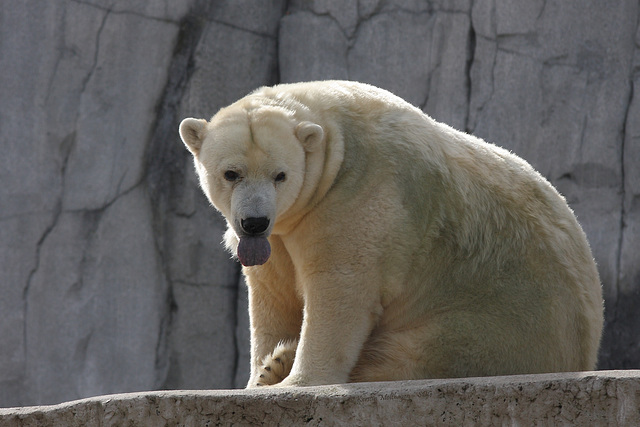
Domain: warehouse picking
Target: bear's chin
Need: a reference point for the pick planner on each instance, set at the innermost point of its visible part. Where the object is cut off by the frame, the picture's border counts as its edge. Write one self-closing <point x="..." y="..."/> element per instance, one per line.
<point x="253" y="250"/>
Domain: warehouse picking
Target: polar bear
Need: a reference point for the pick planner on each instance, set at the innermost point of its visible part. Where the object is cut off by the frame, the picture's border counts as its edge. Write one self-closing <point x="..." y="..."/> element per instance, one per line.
<point x="379" y="244"/>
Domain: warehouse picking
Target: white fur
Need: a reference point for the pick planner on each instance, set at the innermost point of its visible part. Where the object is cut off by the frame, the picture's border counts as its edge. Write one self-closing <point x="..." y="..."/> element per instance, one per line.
<point x="401" y="248"/>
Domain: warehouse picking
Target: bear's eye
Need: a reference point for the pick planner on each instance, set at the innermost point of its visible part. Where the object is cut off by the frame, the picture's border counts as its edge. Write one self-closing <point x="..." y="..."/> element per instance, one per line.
<point x="231" y="176"/>
<point x="281" y="177"/>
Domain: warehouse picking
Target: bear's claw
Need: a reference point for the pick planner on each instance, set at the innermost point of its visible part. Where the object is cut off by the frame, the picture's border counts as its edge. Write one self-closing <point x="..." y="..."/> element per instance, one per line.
<point x="277" y="365"/>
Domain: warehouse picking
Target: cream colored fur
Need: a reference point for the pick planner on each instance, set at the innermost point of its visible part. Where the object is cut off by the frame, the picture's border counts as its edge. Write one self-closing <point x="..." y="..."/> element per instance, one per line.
<point x="400" y="247"/>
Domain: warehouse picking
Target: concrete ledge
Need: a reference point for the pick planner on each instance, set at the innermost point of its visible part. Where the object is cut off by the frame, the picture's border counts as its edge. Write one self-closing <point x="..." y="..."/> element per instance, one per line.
<point x="585" y="398"/>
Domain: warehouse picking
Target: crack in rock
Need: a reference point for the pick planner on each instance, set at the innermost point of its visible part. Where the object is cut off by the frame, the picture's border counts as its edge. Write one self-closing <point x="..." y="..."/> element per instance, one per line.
<point x="66" y="146"/>
<point x="115" y="11"/>
<point x="165" y="163"/>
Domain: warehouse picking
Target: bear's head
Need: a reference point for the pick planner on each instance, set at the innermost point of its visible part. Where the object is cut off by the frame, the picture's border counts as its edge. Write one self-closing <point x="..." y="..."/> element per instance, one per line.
<point x="252" y="167"/>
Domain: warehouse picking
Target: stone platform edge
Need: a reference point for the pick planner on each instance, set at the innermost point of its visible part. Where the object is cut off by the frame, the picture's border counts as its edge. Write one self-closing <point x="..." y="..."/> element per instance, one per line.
<point x="582" y="398"/>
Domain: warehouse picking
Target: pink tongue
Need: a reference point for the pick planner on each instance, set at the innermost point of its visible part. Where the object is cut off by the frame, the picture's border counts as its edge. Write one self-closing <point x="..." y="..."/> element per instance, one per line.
<point x="253" y="250"/>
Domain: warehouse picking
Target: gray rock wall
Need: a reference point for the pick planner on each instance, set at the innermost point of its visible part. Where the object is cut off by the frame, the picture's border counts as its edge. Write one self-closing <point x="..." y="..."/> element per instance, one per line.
<point x="111" y="271"/>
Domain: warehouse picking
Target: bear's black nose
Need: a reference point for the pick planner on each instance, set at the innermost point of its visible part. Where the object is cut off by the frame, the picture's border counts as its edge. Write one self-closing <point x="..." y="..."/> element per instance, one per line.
<point x="255" y="225"/>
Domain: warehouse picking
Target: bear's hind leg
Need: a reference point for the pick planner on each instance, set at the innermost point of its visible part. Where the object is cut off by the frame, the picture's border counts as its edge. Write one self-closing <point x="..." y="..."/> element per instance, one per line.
<point x="276" y="366"/>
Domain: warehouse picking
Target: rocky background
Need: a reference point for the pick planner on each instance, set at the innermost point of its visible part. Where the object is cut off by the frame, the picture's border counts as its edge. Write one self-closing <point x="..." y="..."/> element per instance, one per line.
<point x="112" y="275"/>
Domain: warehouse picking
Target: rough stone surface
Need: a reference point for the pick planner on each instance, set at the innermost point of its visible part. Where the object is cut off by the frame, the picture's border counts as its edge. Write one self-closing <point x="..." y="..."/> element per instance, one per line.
<point x="590" y="398"/>
<point x="112" y="274"/>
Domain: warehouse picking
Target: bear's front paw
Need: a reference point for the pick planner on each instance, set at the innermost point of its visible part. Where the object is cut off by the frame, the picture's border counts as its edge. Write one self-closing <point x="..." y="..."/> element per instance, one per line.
<point x="276" y="366"/>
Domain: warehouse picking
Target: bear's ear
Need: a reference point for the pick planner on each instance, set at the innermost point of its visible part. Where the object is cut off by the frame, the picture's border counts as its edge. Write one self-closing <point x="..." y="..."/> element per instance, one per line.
<point x="192" y="132"/>
<point x="310" y="135"/>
